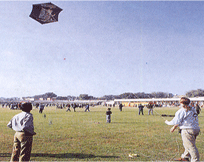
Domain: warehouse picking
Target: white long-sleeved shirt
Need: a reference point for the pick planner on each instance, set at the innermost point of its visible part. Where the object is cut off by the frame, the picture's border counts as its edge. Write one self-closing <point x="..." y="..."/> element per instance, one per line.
<point x="22" y="122"/>
<point x="185" y="119"/>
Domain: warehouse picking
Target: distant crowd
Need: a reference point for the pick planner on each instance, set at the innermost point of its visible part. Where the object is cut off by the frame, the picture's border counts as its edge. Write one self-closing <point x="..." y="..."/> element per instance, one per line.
<point x="16" y="106"/>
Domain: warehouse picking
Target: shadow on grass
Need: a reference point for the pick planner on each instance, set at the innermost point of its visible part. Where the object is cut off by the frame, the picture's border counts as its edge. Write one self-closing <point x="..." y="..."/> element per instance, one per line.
<point x="123" y="123"/>
<point x="65" y="155"/>
<point x="70" y="155"/>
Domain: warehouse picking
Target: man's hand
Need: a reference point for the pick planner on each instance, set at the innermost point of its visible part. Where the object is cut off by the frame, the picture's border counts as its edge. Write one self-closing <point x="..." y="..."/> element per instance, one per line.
<point x="166" y="121"/>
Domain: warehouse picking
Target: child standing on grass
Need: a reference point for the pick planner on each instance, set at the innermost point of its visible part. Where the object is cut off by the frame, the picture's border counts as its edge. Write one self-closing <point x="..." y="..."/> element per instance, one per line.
<point x="22" y="123"/>
<point x="187" y="119"/>
<point x="108" y="115"/>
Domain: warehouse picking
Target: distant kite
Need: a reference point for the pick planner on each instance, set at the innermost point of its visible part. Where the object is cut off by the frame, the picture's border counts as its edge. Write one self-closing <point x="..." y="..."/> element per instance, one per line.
<point x="45" y="12"/>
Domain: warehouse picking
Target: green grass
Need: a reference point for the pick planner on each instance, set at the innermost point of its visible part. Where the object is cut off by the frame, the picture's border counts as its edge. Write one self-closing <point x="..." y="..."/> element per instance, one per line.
<point x="85" y="136"/>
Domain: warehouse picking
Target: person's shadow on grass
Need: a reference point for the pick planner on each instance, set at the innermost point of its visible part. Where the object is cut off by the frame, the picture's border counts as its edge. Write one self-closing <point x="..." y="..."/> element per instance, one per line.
<point x="70" y="155"/>
<point x="65" y="155"/>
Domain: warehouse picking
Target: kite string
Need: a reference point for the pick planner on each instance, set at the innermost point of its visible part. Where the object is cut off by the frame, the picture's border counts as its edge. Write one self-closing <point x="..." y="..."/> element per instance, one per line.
<point x="171" y="137"/>
<point x="159" y="115"/>
<point x="178" y="150"/>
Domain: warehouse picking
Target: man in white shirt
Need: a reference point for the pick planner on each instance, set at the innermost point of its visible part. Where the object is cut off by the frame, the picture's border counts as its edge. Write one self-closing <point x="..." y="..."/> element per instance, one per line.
<point x="22" y="123"/>
<point x="187" y="119"/>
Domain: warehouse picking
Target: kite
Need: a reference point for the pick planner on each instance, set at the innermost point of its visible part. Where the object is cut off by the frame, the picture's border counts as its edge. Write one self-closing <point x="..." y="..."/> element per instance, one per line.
<point x="45" y="13"/>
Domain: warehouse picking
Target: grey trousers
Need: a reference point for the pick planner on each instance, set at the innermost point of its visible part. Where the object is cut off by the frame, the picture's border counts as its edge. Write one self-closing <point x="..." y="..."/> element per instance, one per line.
<point x="108" y="118"/>
<point x="21" y="147"/>
<point x="189" y="139"/>
<point x="150" y="111"/>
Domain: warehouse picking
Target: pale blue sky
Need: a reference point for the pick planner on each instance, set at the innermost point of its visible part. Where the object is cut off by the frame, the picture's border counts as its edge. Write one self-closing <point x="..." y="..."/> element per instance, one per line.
<point x="110" y="48"/>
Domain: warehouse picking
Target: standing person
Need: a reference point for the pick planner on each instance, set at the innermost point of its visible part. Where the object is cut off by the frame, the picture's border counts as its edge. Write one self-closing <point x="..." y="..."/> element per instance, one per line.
<point x="87" y="108"/>
<point x="74" y="107"/>
<point x="108" y="115"/>
<point x="68" y="108"/>
<point x="187" y="119"/>
<point x="41" y="108"/>
<point x="120" y="106"/>
<point x="150" y="107"/>
<point x="22" y="123"/>
<point x="198" y="109"/>
<point x="37" y="105"/>
<point x="141" y="109"/>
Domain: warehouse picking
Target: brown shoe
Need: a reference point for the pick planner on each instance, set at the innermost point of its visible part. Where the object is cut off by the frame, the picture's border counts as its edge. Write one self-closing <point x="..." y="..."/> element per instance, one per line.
<point x="181" y="159"/>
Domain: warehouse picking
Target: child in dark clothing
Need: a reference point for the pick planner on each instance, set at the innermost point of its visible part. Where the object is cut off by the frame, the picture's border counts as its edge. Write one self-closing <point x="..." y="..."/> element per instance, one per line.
<point x="108" y="115"/>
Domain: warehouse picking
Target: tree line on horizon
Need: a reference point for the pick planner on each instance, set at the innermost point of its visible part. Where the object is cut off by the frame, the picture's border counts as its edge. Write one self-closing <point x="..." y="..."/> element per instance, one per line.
<point x="195" y="93"/>
<point x="126" y="95"/>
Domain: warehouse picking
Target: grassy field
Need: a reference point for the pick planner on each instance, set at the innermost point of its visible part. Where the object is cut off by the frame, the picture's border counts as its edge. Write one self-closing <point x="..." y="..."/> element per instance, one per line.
<point x="85" y="136"/>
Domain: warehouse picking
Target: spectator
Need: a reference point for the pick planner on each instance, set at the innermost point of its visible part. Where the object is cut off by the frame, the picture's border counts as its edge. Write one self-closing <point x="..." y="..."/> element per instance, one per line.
<point x="198" y="109"/>
<point x="141" y="109"/>
<point x="120" y="106"/>
<point x="150" y="107"/>
<point x="41" y="108"/>
<point x="68" y="108"/>
<point x="87" y="108"/>
<point x="74" y="107"/>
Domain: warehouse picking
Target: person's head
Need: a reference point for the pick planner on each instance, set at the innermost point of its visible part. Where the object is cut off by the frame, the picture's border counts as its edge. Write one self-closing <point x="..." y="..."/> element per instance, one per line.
<point x="27" y="107"/>
<point x="151" y="103"/>
<point x="185" y="101"/>
<point x="109" y="108"/>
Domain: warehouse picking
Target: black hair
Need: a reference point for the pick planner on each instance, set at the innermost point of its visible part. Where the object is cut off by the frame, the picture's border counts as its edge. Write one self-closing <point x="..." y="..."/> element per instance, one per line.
<point x="185" y="100"/>
<point x="27" y="107"/>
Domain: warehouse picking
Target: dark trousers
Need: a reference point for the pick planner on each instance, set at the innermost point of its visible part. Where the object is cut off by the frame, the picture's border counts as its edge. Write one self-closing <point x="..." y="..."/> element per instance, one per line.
<point x="141" y="110"/>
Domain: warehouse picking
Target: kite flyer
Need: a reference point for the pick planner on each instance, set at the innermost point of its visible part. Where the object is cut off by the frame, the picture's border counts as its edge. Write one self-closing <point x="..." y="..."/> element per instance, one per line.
<point x="187" y="119"/>
<point x="108" y="115"/>
<point x="22" y="123"/>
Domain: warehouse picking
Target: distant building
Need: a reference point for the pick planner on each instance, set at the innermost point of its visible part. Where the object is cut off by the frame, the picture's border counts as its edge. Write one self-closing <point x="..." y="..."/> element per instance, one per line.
<point x="29" y="99"/>
<point x="157" y="101"/>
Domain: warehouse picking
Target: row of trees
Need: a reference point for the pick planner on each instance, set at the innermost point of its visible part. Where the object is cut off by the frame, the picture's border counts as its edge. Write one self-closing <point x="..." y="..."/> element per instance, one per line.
<point x="51" y="95"/>
<point x="195" y="93"/>
<point x="45" y="96"/>
<point x="139" y="95"/>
